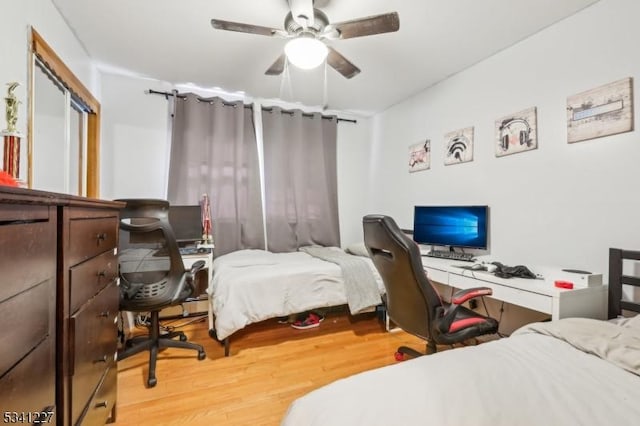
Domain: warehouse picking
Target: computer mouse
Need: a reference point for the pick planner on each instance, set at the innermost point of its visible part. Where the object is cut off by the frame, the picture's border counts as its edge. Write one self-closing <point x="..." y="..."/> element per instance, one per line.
<point x="478" y="267"/>
<point x="202" y="250"/>
<point x="491" y="267"/>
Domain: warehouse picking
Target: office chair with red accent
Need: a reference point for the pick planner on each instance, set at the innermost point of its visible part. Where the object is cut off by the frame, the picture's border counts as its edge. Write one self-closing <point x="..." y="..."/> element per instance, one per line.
<point x="412" y="302"/>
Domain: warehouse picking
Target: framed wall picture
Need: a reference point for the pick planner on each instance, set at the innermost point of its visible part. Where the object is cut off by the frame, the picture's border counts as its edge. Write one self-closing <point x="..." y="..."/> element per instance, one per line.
<point x="516" y="132"/>
<point x="420" y="156"/>
<point x="603" y="111"/>
<point x="459" y="146"/>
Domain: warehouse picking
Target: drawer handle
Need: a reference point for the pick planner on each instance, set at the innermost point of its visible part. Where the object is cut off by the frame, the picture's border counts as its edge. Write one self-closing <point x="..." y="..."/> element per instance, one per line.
<point x="102" y="274"/>
<point x="101" y="404"/>
<point x="103" y="359"/>
<point x="104" y="314"/>
<point x="102" y="237"/>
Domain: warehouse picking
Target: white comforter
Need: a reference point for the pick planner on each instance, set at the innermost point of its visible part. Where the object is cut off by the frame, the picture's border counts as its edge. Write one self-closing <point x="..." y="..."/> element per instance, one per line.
<point x="527" y="379"/>
<point x="254" y="285"/>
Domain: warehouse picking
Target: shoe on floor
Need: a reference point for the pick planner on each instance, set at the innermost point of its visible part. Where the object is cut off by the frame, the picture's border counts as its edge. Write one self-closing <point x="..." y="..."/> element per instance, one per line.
<point x="311" y="321"/>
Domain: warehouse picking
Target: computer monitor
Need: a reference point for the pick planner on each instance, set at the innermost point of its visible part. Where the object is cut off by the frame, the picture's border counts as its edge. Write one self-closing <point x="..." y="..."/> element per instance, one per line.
<point x="186" y="222"/>
<point x="452" y="226"/>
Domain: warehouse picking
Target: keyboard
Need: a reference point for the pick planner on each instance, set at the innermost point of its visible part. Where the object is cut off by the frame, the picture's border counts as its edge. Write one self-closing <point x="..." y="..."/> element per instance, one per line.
<point x="453" y="255"/>
<point x="192" y="250"/>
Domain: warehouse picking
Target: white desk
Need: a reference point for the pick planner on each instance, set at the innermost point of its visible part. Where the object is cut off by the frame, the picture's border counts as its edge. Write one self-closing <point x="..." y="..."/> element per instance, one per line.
<point x="537" y="294"/>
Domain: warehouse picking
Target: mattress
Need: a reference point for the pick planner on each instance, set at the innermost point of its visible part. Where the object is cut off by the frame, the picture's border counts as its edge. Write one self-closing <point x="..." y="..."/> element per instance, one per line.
<point x="532" y="378"/>
<point x="249" y="286"/>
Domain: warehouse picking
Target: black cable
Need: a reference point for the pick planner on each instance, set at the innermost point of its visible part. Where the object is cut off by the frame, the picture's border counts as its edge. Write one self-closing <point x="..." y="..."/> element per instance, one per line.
<point x="500" y="320"/>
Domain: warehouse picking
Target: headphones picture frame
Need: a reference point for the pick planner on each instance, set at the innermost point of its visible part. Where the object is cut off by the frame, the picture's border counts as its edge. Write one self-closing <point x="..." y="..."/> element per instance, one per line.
<point x="516" y="132"/>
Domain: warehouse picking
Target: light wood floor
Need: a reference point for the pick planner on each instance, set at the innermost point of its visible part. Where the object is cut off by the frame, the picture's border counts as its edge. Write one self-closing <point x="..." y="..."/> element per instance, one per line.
<point x="270" y="365"/>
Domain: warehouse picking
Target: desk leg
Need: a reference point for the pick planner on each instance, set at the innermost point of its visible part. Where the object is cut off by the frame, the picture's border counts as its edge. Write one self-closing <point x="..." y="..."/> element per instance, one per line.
<point x="210" y="312"/>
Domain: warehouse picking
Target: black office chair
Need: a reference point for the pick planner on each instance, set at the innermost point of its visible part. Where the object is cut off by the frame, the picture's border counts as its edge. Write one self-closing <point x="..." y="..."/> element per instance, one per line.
<point x="152" y="276"/>
<point x="412" y="302"/>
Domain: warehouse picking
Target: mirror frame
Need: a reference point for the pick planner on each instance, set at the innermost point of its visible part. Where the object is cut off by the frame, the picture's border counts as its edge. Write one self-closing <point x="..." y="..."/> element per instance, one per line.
<point x="48" y="56"/>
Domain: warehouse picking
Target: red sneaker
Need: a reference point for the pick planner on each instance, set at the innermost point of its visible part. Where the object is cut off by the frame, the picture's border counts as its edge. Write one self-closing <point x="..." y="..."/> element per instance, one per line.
<point x="311" y="321"/>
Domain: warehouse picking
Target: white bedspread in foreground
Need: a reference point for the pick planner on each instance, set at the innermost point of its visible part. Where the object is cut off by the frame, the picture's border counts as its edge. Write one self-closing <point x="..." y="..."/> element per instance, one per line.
<point x="249" y="286"/>
<point x="527" y="379"/>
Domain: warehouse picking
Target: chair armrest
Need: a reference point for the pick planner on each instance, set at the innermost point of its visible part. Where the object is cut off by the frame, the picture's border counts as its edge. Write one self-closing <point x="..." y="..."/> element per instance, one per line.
<point x="197" y="266"/>
<point x="462" y="296"/>
<point x="191" y="275"/>
<point x="446" y="316"/>
<point x="187" y="281"/>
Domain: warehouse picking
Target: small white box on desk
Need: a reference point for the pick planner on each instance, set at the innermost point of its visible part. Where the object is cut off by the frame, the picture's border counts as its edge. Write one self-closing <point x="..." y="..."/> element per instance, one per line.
<point x="580" y="279"/>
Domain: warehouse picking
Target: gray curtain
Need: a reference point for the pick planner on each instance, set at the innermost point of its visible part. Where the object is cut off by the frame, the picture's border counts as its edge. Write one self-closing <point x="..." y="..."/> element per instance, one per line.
<point x="301" y="200"/>
<point x="214" y="151"/>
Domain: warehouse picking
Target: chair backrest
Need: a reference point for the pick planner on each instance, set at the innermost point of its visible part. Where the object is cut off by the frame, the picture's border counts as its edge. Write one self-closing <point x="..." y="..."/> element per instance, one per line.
<point x="151" y="269"/>
<point x="411" y="299"/>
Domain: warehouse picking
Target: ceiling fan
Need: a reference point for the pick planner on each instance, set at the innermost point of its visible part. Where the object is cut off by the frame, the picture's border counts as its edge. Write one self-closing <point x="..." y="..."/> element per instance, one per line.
<point x="307" y="27"/>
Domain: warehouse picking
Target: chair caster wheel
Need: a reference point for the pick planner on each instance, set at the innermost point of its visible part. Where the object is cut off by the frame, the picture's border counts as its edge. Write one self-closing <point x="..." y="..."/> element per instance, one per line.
<point x="399" y="356"/>
<point x="183" y="338"/>
<point x="201" y="355"/>
<point x="152" y="382"/>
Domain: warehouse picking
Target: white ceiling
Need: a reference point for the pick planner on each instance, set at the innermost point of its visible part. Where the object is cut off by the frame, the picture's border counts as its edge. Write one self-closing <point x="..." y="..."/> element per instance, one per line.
<point x="173" y="41"/>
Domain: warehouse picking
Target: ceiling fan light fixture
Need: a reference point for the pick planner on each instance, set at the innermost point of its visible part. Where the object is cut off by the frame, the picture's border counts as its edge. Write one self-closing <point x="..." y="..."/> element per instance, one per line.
<point x="306" y="52"/>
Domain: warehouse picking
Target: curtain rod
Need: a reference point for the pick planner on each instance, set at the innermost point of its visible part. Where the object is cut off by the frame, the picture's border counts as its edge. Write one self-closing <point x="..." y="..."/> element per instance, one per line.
<point x="308" y="114"/>
<point x="178" y="95"/>
<point x="269" y="109"/>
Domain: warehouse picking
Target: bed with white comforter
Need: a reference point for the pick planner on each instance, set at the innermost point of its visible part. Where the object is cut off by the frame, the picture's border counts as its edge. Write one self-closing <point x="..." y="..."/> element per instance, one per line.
<point x="573" y="371"/>
<point x="249" y="286"/>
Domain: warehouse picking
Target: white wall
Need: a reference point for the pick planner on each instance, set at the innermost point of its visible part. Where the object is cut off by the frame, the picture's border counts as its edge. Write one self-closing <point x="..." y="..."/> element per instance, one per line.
<point x="562" y="204"/>
<point x="134" y="157"/>
<point x="353" y="162"/>
<point x="17" y="18"/>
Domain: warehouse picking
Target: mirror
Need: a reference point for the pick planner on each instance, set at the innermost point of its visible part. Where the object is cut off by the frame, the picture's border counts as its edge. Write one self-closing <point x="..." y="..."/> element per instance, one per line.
<point x="63" y="127"/>
<point x="49" y="134"/>
<point x="58" y="135"/>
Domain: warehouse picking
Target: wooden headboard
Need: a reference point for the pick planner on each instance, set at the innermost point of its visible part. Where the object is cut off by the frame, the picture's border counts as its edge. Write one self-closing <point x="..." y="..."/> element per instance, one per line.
<point x="617" y="279"/>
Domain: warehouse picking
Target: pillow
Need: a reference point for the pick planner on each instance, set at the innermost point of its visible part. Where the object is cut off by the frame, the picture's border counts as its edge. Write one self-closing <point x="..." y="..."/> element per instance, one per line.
<point x="357" y="249"/>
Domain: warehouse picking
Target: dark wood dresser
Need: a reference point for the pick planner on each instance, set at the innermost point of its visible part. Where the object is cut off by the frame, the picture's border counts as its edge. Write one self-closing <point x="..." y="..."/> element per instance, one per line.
<point x="58" y="302"/>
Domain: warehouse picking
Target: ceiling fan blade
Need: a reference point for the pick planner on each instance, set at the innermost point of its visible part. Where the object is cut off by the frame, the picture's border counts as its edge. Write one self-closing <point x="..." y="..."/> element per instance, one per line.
<point x="277" y="67"/>
<point x="378" y="24"/>
<point x="245" y="28"/>
<point x="341" y="64"/>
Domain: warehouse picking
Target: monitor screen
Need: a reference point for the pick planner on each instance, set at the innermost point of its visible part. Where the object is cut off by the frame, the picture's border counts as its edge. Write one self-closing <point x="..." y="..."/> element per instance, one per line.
<point x="454" y="226"/>
<point x="186" y="222"/>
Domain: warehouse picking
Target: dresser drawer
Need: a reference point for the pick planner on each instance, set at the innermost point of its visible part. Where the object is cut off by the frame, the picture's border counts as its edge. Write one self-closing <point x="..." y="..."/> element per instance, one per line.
<point x="100" y="407"/>
<point x="30" y="385"/>
<point x="26" y="331"/>
<point x="88" y="278"/>
<point x="90" y="237"/>
<point x="27" y="255"/>
<point x="94" y="337"/>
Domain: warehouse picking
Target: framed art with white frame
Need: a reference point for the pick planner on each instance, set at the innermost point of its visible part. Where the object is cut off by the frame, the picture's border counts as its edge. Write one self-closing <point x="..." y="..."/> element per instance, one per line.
<point x="459" y="146"/>
<point x="603" y="111"/>
<point x="420" y="156"/>
<point x="516" y="132"/>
